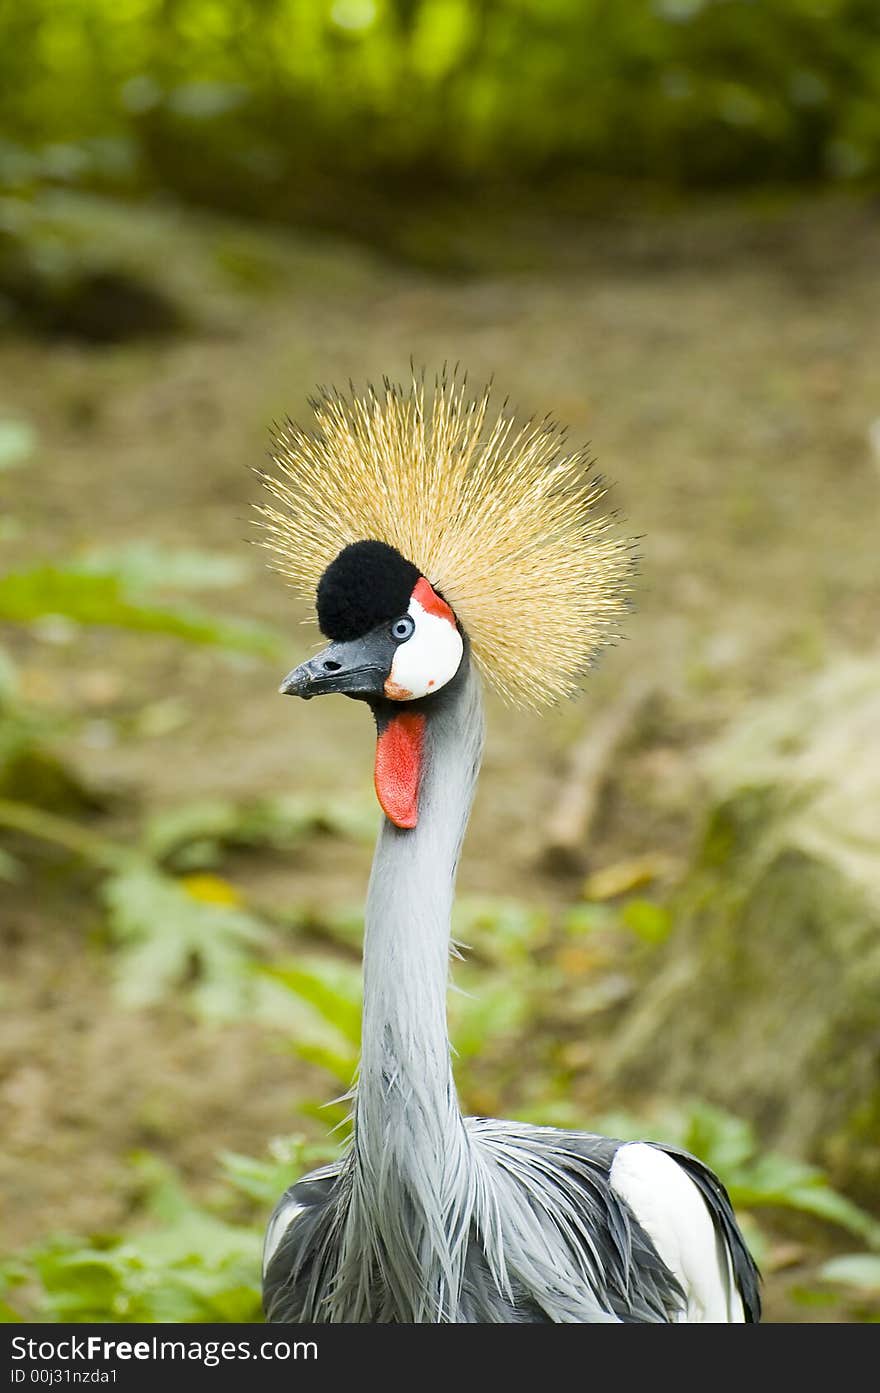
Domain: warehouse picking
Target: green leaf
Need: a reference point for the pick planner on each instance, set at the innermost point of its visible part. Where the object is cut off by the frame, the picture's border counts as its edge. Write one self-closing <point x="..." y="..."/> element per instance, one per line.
<point x="581" y="919"/>
<point x="144" y="566"/>
<point x="332" y="989"/>
<point x="26" y="596"/>
<point x="723" y="1141"/>
<point x="64" y="832"/>
<point x="860" y="1270"/>
<point x="165" y="933"/>
<point x="200" y="1269"/>
<point x="13" y="1273"/>
<point x="776" y="1181"/>
<point x="341" y="1067"/>
<point x="288" y="817"/>
<point x="190" y="1264"/>
<point x="494" y="1011"/>
<point x="503" y="930"/>
<point x="648" y="921"/>
<point x="209" y="821"/>
<point x="186" y="1262"/>
<point x="282" y="823"/>
<point x="18" y="441"/>
<point x="264" y="1180"/>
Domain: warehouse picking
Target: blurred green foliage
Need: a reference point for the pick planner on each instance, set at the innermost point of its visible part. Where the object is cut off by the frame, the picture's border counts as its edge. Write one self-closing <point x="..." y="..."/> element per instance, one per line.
<point x="191" y="1260"/>
<point x="17" y="442"/>
<point x="858" y="1270"/>
<point x="276" y="107"/>
<point x="91" y="595"/>
<point x="188" y="1262"/>
<point x="165" y="929"/>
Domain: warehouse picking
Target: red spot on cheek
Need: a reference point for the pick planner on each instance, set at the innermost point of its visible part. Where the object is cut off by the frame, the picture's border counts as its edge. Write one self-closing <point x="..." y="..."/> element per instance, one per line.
<point x="430" y="601"/>
<point x="398" y="769"/>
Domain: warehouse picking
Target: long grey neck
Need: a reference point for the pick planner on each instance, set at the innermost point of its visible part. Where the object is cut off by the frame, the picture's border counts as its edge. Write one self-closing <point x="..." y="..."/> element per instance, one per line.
<point x="405" y="1052"/>
<point x="410" y="1146"/>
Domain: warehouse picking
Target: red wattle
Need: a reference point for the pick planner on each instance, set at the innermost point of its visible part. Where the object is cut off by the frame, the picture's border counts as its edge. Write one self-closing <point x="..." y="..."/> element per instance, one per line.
<point x="398" y="768"/>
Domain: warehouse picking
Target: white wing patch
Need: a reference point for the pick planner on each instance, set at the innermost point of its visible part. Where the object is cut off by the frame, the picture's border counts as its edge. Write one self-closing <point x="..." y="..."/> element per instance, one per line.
<point x="277" y="1227"/>
<point x="675" y="1216"/>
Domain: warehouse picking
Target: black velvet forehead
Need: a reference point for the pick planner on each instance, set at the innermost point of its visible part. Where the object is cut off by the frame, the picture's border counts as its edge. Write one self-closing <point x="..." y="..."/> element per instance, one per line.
<point x="368" y="584"/>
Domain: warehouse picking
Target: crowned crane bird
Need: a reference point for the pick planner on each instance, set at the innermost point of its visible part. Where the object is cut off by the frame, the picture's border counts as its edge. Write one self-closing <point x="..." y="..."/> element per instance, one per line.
<point x="441" y="544"/>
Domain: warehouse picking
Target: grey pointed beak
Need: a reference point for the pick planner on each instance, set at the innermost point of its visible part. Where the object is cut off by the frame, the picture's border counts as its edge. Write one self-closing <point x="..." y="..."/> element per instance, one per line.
<point x="357" y="668"/>
<point x="297" y="683"/>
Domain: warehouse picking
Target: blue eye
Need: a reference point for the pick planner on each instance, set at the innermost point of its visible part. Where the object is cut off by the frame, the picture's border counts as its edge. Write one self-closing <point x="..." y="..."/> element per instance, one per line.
<point x="403" y="628"/>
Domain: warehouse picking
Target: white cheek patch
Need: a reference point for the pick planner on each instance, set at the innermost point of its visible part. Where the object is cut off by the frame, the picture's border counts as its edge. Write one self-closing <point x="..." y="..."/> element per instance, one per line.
<point x="427" y="660"/>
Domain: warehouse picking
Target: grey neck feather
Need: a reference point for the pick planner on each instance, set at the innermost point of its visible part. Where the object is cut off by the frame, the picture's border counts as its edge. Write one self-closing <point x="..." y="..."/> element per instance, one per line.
<point x="421" y="1188"/>
<point x="410" y="1166"/>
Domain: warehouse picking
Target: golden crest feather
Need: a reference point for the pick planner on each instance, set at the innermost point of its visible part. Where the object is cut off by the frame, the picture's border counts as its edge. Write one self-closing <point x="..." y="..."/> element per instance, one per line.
<point x="503" y="521"/>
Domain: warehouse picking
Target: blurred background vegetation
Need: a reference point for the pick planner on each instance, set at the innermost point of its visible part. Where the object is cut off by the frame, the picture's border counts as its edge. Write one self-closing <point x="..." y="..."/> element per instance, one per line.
<point x="203" y="96"/>
<point x="351" y="114"/>
<point x="657" y="220"/>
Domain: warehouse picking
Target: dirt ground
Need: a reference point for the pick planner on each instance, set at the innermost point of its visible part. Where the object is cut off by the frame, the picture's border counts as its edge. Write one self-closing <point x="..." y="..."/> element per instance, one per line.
<point x="724" y="366"/>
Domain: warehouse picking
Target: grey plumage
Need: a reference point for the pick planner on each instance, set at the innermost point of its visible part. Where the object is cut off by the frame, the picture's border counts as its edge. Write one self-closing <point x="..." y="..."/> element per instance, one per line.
<point x="431" y="1217"/>
<point x="582" y="1257"/>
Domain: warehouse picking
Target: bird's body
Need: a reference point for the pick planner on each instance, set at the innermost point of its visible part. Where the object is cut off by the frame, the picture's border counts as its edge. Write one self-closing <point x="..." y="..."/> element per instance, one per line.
<point x="586" y="1256"/>
<point x="429" y="1216"/>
